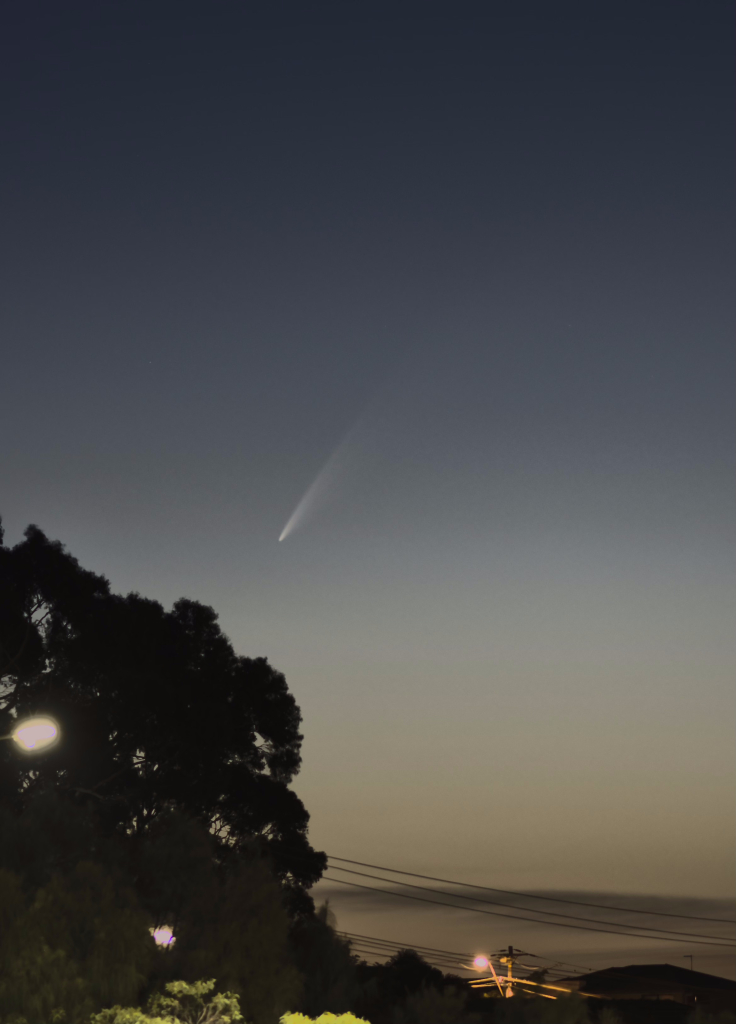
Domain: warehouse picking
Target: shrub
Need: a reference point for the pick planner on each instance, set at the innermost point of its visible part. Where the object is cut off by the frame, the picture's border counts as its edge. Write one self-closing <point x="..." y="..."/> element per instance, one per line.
<point x="182" y="1003"/>
<point x="324" y="1018"/>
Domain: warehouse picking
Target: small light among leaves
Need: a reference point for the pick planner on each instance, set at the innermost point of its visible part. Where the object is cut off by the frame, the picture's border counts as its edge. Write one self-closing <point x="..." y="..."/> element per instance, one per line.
<point x="35" y="733"/>
<point x="163" y="936"/>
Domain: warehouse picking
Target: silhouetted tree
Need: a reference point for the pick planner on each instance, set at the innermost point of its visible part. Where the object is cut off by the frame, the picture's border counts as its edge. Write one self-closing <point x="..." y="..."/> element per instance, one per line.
<point x="235" y="928"/>
<point x="534" y="1010"/>
<point x="51" y="836"/>
<point x="408" y="972"/>
<point x="326" y="964"/>
<point x="434" y="1006"/>
<point x="390" y="988"/>
<point x="157" y="712"/>
<point x="609" y="1016"/>
<point x="701" y="1016"/>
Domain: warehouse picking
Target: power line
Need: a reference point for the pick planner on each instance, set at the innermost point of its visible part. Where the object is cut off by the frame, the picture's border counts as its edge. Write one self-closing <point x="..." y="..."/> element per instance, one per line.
<point x="442" y="958"/>
<point x="368" y="949"/>
<point x="447" y="966"/>
<point x="552" y="913"/>
<point x="441" y="965"/>
<point x="530" y="895"/>
<point x="563" y="963"/>
<point x="409" y="945"/>
<point x="451" y="953"/>
<point x="378" y="946"/>
<point x="371" y="944"/>
<point x="555" y="970"/>
<point x="516" y="917"/>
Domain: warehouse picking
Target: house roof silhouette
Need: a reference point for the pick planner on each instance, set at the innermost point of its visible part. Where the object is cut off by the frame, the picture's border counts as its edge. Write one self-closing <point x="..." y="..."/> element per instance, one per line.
<point x="657" y="981"/>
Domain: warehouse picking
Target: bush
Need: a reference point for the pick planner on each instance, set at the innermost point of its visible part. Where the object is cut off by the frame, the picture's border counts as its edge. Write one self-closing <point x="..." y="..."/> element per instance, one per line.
<point x="324" y="1018"/>
<point x="69" y="947"/>
<point x="182" y="1003"/>
<point x="521" y="1010"/>
<point x="701" y="1016"/>
<point x="431" y="1006"/>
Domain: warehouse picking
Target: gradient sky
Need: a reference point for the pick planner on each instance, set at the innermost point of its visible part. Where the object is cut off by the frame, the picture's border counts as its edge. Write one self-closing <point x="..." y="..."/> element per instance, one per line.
<point x="490" y="244"/>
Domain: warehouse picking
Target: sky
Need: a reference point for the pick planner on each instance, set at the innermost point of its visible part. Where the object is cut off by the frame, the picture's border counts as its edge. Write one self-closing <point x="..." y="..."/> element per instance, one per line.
<point x="460" y="273"/>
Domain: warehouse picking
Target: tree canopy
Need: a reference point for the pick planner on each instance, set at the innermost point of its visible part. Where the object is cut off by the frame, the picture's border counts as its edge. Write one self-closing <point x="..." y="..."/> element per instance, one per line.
<point x="77" y="912"/>
<point x="408" y="990"/>
<point x="157" y="712"/>
<point x="77" y="943"/>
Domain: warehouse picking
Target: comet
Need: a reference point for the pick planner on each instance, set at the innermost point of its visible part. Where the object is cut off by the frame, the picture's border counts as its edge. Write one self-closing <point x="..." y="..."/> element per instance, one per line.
<point x="318" y="491"/>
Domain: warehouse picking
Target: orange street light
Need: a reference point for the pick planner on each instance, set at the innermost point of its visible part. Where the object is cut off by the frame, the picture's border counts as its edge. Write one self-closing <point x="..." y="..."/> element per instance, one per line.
<point x="482" y="963"/>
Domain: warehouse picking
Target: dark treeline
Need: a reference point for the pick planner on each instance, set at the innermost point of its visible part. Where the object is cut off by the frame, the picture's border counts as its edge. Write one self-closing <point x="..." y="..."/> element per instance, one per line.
<point x="77" y="907"/>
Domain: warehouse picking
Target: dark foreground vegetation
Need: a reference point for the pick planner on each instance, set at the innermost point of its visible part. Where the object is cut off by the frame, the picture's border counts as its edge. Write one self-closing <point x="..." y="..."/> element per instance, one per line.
<point x="167" y="802"/>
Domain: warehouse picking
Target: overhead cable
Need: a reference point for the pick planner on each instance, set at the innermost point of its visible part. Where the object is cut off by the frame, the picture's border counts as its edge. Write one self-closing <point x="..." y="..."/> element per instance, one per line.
<point x="406" y="945"/>
<point x="533" y="920"/>
<point x="552" y="913"/>
<point x="530" y="895"/>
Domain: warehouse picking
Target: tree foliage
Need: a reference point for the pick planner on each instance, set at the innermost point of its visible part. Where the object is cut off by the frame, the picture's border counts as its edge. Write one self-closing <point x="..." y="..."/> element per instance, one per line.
<point x="405" y="988"/>
<point x="434" y="1006"/>
<point x="326" y="964"/>
<point x="701" y="1016"/>
<point x="236" y="925"/>
<point x="71" y="946"/>
<point x="157" y="711"/>
<point x="75" y="933"/>
<point x="570" y="1009"/>
<point x="324" y="1018"/>
<point x="181" y="1003"/>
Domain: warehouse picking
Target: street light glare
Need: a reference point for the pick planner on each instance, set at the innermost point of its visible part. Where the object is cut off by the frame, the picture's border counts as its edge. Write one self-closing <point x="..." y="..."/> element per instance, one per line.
<point x="35" y="733"/>
<point x="163" y="936"/>
<point x="480" y="963"/>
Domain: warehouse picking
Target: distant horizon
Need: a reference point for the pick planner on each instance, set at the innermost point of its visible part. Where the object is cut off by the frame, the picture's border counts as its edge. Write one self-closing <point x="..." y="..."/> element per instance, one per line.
<point x="384" y="917"/>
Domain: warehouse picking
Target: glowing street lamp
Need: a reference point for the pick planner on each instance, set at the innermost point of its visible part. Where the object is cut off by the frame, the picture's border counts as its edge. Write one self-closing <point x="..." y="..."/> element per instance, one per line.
<point x="34" y="734"/>
<point x="163" y="936"/>
<point x="482" y="963"/>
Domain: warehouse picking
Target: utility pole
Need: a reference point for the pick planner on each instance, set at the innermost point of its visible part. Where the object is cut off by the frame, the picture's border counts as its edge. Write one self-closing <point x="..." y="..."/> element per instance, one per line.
<point x="505" y="985"/>
<point x="510" y="956"/>
<point x="688" y="956"/>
